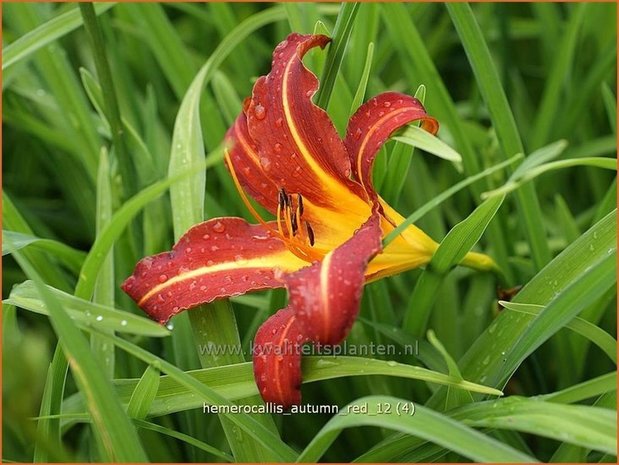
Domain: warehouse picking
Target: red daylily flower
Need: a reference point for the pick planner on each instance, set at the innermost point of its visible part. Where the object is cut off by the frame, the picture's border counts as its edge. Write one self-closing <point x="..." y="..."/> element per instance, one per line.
<point x="326" y="240"/>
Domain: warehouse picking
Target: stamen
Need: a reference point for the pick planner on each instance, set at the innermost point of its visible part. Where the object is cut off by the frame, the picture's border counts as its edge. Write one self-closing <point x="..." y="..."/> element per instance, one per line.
<point x="279" y="220"/>
<point x="283" y="198"/>
<point x="300" y="205"/>
<point x="295" y="225"/>
<point x="288" y="221"/>
<point x="310" y="233"/>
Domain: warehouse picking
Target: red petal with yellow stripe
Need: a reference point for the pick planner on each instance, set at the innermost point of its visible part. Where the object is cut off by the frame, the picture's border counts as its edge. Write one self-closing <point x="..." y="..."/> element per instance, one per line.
<point x="246" y="166"/>
<point x="277" y="358"/>
<point x="221" y="257"/>
<point x="326" y="295"/>
<point x="371" y="126"/>
<point x="298" y="146"/>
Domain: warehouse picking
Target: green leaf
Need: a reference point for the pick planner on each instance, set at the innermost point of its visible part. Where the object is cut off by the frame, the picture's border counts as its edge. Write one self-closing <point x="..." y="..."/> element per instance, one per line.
<point x="594" y="333"/>
<point x="235" y="382"/>
<point x="121" y="218"/>
<point x="518" y="182"/>
<point x="386" y="412"/>
<point x="203" y="393"/>
<point x="69" y="256"/>
<point x="421" y="139"/>
<point x="503" y="121"/>
<point x="454" y="398"/>
<point x="577" y="276"/>
<point x="539" y="156"/>
<point x="421" y="211"/>
<point x="85" y="314"/>
<point x="46" y="33"/>
<point x="453" y="249"/>
<point x="592" y="427"/>
<point x="183" y="437"/>
<point x="341" y="36"/>
<point x="363" y="83"/>
<point x="585" y="390"/>
<point x="144" y="394"/>
<point x="116" y="433"/>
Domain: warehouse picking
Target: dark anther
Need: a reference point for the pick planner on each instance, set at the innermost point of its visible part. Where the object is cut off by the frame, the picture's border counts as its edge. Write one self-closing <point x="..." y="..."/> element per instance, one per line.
<point x="283" y="198"/>
<point x="293" y="220"/>
<point x="300" y="201"/>
<point x="310" y="233"/>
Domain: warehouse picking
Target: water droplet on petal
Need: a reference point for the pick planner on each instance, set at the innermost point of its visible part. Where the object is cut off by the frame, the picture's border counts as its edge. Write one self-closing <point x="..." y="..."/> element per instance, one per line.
<point x="170" y="326"/>
<point x="123" y="323"/>
<point x="260" y="112"/>
<point x="387" y="104"/>
<point x="265" y="162"/>
<point x="219" y="227"/>
<point x="358" y="133"/>
<point x="163" y="278"/>
<point x="277" y="147"/>
<point x="99" y="318"/>
<point x="278" y="122"/>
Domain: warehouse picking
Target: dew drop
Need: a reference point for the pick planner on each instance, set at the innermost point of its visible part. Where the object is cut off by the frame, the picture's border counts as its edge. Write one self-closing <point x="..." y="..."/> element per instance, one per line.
<point x="123" y="323"/>
<point x="170" y="326"/>
<point x="309" y="93"/>
<point x="219" y="227"/>
<point x="358" y="133"/>
<point x="265" y="162"/>
<point x="99" y="318"/>
<point x="277" y="147"/>
<point x="387" y="104"/>
<point x="391" y="363"/>
<point x="206" y="237"/>
<point x="278" y="122"/>
<point x="260" y="112"/>
<point x="188" y="250"/>
<point x="163" y="278"/>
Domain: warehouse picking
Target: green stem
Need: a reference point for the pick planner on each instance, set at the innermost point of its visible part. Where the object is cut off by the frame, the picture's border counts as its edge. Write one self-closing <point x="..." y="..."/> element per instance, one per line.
<point x="112" y="109"/>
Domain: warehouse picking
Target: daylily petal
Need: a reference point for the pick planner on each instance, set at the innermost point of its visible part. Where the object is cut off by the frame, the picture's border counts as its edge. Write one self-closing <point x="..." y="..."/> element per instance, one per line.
<point x="277" y="358"/>
<point x="371" y="126"/>
<point x="243" y="161"/>
<point x="218" y="258"/>
<point x="326" y="295"/>
<point x="298" y="146"/>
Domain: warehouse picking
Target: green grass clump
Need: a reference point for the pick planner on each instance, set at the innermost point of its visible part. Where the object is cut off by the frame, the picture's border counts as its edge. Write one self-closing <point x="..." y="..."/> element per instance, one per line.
<point x="113" y="122"/>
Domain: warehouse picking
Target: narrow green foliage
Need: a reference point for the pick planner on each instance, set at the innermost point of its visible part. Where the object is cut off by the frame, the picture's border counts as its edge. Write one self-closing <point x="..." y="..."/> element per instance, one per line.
<point x="341" y="36"/>
<point x="114" y="117"/>
<point x="114" y="430"/>
<point x="48" y="32"/>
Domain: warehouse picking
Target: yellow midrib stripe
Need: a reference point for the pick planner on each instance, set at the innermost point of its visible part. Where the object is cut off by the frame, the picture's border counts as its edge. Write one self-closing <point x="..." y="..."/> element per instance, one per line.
<point x="305" y="153"/>
<point x="369" y="134"/>
<point x="258" y="262"/>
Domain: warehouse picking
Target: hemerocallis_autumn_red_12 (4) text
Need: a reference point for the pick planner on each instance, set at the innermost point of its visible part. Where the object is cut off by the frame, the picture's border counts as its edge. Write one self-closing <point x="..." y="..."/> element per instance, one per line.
<point x="325" y="241"/>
